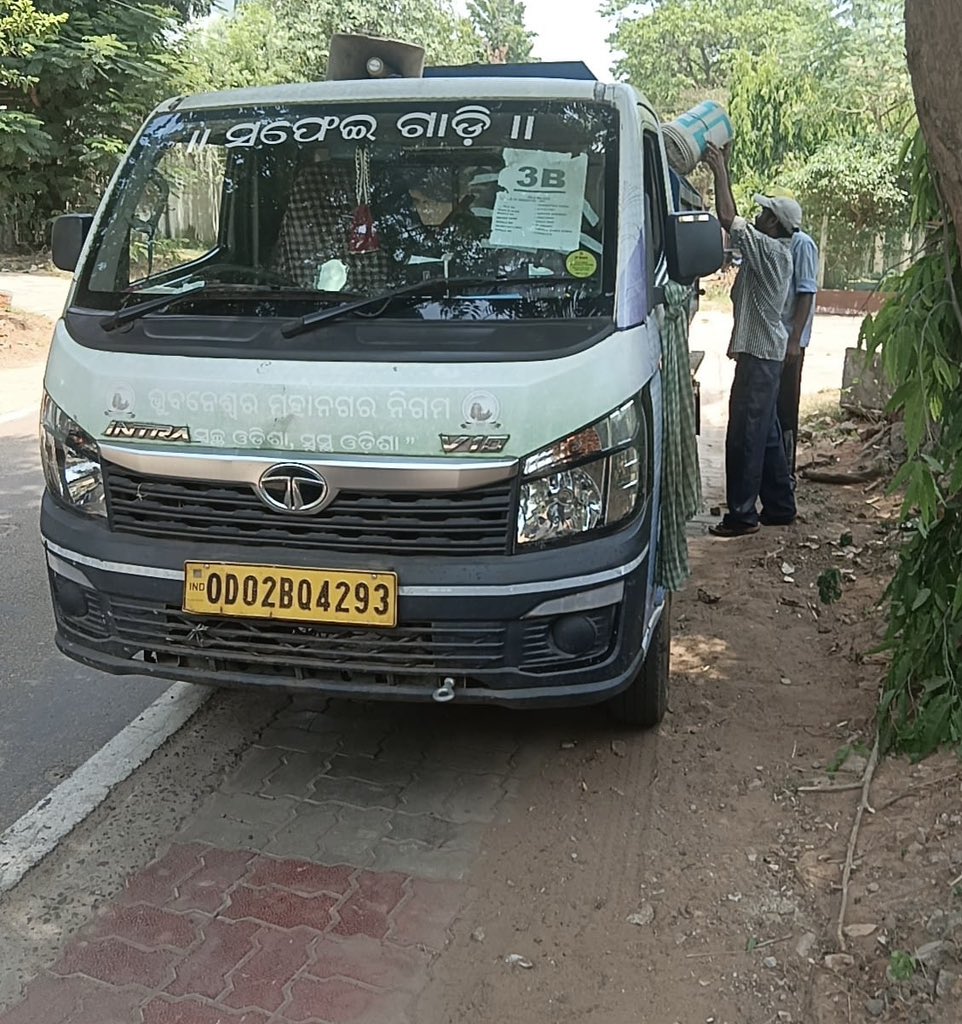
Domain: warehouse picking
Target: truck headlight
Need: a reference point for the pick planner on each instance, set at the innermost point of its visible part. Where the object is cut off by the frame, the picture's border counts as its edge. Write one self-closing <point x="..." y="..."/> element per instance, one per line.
<point x="591" y="479"/>
<point x="71" y="461"/>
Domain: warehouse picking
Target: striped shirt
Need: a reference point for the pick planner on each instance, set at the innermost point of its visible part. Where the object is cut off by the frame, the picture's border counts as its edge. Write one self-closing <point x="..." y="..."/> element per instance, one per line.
<point x="760" y="292"/>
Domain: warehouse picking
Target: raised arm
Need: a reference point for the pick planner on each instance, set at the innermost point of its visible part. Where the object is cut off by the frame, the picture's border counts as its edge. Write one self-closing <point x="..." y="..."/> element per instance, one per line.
<point x="717" y="160"/>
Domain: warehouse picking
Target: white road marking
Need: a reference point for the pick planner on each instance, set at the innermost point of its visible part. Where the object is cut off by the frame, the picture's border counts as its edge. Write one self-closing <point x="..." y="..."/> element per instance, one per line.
<point x="29" y="839"/>
<point x="20" y="414"/>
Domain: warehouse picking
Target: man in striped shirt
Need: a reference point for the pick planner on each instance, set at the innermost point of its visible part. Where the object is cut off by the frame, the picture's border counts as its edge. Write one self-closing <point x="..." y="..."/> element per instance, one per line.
<point x="755" y="463"/>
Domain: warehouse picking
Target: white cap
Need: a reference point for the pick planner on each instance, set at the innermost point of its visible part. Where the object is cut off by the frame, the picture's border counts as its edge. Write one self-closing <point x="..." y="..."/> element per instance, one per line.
<point x="787" y="210"/>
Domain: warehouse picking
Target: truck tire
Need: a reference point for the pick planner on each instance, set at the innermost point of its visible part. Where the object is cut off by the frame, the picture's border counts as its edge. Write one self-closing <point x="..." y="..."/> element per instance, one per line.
<point x="644" y="702"/>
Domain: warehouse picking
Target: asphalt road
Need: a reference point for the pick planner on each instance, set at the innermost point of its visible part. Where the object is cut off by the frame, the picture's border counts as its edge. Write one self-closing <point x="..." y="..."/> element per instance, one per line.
<point x="53" y="713"/>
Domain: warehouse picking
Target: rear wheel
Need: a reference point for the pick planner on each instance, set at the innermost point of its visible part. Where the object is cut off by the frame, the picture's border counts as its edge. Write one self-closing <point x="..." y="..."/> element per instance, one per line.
<point x="645" y="700"/>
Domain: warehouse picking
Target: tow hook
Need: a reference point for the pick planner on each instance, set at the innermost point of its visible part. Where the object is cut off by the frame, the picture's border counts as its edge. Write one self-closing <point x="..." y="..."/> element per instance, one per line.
<point x="445" y="692"/>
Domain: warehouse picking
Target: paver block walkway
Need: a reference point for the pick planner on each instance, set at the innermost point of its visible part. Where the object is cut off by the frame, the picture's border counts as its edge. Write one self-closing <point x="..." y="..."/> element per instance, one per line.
<point x="315" y="887"/>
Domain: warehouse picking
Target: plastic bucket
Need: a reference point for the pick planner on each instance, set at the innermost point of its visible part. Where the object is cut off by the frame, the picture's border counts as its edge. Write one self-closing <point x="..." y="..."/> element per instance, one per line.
<point x="687" y="136"/>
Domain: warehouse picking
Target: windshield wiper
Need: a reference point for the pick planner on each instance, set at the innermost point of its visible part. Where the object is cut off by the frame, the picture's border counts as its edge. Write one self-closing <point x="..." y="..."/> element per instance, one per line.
<point x="128" y="314"/>
<point x="430" y="286"/>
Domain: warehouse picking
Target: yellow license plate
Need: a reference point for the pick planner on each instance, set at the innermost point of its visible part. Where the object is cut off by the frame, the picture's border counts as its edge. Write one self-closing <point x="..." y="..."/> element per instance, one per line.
<point x="292" y="595"/>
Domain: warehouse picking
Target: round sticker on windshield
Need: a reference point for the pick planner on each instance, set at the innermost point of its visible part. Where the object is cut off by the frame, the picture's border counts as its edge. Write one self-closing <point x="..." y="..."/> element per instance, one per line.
<point x="581" y="263"/>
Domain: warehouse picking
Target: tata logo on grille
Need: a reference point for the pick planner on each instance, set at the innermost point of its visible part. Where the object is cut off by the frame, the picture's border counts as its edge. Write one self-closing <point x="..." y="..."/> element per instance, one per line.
<point x="293" y="488"/>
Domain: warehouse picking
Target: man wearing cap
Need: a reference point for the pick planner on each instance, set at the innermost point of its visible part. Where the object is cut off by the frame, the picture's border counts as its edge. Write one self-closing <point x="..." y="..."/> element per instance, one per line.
<point x="755" y="463"/>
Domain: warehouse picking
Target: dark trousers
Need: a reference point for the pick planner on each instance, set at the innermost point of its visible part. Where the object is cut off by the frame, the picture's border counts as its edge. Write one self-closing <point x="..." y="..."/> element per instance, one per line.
<point x="789" y="394"/>
<point x="755" y="461"/>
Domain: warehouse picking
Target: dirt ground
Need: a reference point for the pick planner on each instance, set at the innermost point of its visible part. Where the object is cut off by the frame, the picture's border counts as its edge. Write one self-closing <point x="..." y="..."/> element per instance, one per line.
<point x="693" y="877"/>
<point x="24" y="339"/>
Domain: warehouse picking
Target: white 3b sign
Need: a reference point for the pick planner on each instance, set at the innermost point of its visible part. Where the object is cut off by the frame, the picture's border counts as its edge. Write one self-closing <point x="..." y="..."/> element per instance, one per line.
<point x="541" y="202"/>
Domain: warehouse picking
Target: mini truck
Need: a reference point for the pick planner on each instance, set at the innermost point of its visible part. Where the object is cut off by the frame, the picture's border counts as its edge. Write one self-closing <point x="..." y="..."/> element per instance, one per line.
<point x="357" y="390"/>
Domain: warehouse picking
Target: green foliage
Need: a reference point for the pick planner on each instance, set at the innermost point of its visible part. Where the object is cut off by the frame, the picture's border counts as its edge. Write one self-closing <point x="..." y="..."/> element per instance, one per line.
<point x="22" y="135"/>
<point x="901" y="966"/>
<point x="500" y="23"/>
<point x="85" y="84"/>
<point x="843" y="754"/>
<point x="265" y="42"/>
<point x="817" y="90"/>
<point x="829" y="585"/>
<point x="853" y="182"/>
<point x="78" y="77"/>
<point x="776" y="111"/>
<point x="22" y="26"/>
<point x="919" y="333"/>
<point x="684" y="50"/>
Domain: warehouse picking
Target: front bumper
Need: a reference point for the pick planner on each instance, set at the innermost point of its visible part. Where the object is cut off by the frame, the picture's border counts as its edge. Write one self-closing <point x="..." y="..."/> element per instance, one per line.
<point x="562" y="627"/>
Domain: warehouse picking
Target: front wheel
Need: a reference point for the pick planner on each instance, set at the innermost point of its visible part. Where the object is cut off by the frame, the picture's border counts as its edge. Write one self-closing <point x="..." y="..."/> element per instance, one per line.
<point x="645" y="700"/>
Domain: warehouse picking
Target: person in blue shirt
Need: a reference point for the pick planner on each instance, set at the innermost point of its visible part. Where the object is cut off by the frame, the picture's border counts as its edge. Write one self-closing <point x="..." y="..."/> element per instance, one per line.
<point x="798" y="317"/>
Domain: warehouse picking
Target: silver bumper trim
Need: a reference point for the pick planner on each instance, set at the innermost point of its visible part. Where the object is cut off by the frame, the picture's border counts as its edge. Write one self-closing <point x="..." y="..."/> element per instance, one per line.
<point x="342" y="473"/>
<point x="472" y="590"/>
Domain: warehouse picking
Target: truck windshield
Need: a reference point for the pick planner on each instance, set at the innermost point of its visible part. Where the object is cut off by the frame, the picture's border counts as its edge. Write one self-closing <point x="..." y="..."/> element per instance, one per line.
<point x="300" y="207"/>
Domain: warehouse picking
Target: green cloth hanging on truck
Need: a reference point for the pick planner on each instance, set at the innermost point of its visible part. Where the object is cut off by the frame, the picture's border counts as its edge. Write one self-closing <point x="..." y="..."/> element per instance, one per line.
<point x="680" y="476"/>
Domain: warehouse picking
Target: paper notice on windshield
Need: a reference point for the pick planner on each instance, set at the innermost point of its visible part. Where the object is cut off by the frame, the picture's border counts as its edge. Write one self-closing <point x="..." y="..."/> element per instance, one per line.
<point x="541" y="203"/>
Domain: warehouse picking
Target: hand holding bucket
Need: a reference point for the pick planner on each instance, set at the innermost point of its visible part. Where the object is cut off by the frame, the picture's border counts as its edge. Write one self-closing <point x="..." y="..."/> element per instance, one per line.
<point x="687" y="137"/>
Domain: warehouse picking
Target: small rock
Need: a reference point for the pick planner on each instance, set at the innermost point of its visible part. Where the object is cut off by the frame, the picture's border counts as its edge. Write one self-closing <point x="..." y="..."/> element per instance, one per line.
<point x="935" y="954"/>
<point x="516" y="960"/>
<point x="855" y="763"/>
<point x="788" y="569"/>
<point x="780" y="906"/>
<point x="568" y="745"/>
<point x="875" y="1007"/>
<point x="839" y="962"/>
<point x="860" y="931"/>
<point x="923" y="985"/>
<point x="707" y="597"/>
<point x="643" y="916"/>
<point x="806" y="944"/>
<point x="815" y="872"/>
<point x="873" y="887"/>
<point x="948" y="985"/>
<point x="770" y="962"/>
<point x="477" y="935"/>
<point x="785" y="681"/>
<point x="945" y="925"/>
<point x="619" y="748"/>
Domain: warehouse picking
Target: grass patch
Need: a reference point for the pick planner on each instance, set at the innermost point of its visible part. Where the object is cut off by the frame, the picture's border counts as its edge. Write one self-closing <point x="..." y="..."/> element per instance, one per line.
<point x="821" y="408"/>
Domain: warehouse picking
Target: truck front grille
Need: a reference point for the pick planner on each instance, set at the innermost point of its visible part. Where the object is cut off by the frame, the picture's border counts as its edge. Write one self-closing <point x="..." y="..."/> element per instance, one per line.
<point x="298" y="651"/>
<point x="475" y="522"/>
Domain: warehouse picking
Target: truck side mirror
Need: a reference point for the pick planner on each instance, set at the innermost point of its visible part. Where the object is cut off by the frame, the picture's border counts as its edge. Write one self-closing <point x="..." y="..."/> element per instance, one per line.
<point x="67" y="239"/>
<point x="693" y="246"/>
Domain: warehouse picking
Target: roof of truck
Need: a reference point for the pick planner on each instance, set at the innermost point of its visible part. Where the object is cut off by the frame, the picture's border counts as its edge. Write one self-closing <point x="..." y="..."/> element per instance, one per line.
<point x="386" y="90"/>
<point x="575" y="70"/>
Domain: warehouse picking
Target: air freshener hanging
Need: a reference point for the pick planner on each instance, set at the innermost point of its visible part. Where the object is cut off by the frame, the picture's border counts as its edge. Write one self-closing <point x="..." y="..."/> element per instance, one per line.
<point x="363" y="234"/>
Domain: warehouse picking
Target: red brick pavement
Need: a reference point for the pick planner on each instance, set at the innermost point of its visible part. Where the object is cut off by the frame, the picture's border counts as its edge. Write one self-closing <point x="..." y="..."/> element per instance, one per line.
<point x="211" y="936"/>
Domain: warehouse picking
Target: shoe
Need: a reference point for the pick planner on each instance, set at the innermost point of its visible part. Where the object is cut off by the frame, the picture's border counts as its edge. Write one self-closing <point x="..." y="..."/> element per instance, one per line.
<point x="724" y="529"/>
<point x="767" y="520"/>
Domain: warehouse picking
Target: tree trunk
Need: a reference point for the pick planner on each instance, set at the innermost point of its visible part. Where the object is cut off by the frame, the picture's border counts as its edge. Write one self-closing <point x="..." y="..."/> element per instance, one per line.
<point x="933" y="42"/>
